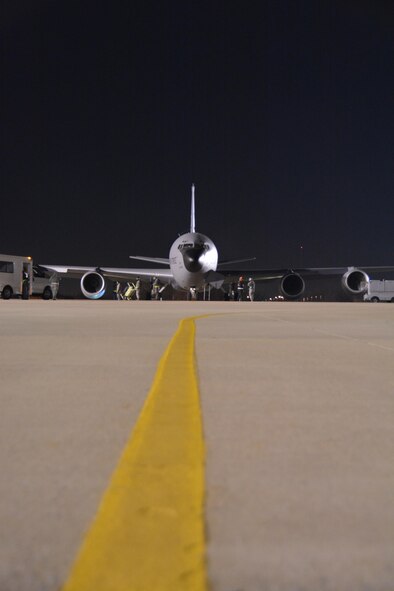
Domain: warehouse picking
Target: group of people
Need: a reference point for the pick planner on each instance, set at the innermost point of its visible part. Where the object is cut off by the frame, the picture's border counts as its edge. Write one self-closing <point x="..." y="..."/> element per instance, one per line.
<point x="133" y="290"/>
<point x="237" y="291"/>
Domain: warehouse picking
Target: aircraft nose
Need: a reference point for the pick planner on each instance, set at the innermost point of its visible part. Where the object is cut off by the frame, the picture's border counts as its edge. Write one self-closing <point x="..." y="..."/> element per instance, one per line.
<point x="191" y="258"/>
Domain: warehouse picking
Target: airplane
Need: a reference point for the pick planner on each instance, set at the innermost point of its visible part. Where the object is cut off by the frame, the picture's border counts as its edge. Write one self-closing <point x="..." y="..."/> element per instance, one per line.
<point x="193" y="265"/>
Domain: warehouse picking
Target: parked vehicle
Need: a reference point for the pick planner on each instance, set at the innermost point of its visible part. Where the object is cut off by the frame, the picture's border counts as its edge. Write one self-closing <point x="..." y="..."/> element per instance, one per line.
<point x="13" y="271"/>
<point x="19" y="278"/>
<point x="45" y="283"/>
<point x="380" y="290"/>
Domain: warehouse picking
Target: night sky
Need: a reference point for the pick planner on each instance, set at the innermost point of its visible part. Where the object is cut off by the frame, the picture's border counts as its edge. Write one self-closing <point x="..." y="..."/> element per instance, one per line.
<point x="281" y="112"/>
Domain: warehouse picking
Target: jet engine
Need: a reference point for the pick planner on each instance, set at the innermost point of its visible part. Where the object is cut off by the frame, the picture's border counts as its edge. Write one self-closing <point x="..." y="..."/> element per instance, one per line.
<point x="355" y="282"/>
<point x="292" y="286"/>
<point x="93" y="285"/>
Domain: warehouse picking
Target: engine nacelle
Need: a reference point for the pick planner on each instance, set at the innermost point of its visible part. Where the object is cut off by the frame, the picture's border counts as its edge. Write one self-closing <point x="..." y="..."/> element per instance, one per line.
<point x="292" y="286"/>
<point x="355" y="282"/>
<point x="93" y="285"/>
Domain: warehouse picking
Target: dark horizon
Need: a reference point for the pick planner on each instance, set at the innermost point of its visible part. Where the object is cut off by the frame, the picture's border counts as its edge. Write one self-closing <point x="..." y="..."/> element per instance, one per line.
<point x="281" y="113"/>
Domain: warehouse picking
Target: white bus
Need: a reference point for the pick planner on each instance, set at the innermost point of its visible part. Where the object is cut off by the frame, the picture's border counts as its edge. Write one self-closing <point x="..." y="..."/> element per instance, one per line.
<point x="12" y="270"/>
<point x="380" y="290"/>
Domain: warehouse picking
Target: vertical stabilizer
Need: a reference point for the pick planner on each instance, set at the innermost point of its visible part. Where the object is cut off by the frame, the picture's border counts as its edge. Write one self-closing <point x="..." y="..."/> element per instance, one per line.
<point x="193" y="213"/>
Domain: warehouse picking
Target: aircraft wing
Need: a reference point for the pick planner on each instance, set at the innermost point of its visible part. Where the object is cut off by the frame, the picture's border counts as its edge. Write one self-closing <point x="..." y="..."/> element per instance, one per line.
<point x="110" y="272"/>
<point x="232" y="262"/>
<point x="293" y="281"/>
<point x="257" y="274"/>
<point x="93" y="285"/>
<point x="339" y="270"/>
<point x="147" y="274"/>
<point x="72" y="272"/>
<point x="268" y="274"/>
<point x="158" y="260"/>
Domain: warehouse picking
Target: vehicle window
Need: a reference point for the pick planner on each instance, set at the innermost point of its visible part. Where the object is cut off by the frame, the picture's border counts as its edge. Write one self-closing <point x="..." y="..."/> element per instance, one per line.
<point x="6" y="267"/>
<point x="37" y="272"/>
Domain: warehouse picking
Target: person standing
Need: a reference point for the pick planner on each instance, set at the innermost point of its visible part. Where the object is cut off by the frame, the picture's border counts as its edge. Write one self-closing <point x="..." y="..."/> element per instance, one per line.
<point x="240" y="288"/>
<point x="138" y="289"/>
<point x="54" y="286"/>
<point x="149" y="295"/>
<point x="116" y="292"/>
<point x="25" y="285"/>
<point x="155" y="289"/>
<point x="251" y="288"/>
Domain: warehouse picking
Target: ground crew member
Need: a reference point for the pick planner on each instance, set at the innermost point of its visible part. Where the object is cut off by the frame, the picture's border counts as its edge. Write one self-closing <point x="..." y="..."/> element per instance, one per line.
<point x="129" y="291"/>
<point x="116" y="292"/>
<point x="252" y="288"/>
<point x="54" y="286"/>
<point x="149" y="295"/>
<point x="25" y="285"/>
<point x="138" y="289"/>
<point x="155" y="289"/>
<point x="240" y="288"/>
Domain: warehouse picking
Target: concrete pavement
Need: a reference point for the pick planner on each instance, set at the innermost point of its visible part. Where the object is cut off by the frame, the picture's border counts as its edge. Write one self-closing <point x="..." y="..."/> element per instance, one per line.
<point x="297" y="403"/>
<point x="298" y="407"/>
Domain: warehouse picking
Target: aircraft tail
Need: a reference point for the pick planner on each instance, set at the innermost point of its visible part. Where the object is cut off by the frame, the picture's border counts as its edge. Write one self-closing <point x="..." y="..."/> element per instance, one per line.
<point x="193" y="213"/>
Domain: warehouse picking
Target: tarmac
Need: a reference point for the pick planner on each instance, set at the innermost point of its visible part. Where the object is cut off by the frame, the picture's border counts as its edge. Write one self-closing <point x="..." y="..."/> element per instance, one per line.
<point x="297" y="403"/>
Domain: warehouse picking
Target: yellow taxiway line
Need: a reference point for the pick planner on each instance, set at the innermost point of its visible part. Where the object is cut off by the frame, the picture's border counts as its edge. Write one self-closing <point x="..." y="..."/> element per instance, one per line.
<point x="148" y="534"/>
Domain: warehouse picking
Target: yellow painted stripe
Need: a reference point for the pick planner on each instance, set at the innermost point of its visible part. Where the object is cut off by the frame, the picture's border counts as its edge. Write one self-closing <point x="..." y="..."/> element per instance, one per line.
<point x="148" y="534"/>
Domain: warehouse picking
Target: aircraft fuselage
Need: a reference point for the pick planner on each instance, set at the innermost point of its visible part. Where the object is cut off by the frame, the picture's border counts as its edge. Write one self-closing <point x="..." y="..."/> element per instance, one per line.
<point x="192" y="257"/>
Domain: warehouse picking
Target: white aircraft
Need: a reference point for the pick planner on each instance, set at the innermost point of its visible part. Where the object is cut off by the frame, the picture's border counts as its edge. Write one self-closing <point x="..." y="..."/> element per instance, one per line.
<point x="193" y="265"/>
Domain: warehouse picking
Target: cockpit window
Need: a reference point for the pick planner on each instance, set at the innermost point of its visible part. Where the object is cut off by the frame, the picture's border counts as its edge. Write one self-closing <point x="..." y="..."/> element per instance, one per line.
<point x="188" y="245"/>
